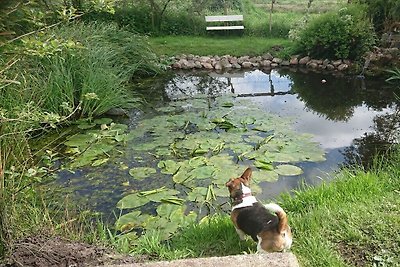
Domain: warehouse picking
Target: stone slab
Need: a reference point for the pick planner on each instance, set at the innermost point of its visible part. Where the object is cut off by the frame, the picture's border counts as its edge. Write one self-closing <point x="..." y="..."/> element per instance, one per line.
<point x="250" y="260"/>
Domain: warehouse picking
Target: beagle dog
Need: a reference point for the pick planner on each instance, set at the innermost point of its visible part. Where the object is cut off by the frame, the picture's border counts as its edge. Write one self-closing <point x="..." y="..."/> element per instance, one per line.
<point x="266" y="224"/>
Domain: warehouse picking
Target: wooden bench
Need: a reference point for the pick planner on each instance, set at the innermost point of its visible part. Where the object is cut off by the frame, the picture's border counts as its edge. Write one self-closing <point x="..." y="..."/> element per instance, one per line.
<point x="224" y="19"/>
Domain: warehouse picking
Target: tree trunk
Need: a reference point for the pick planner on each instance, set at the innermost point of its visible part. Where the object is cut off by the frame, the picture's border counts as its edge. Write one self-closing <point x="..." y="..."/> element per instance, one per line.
<point x="270" y="15"/>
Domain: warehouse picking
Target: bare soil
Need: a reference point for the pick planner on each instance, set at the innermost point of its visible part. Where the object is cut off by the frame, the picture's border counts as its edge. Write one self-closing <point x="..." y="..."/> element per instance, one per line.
<point x="43" y="251"/>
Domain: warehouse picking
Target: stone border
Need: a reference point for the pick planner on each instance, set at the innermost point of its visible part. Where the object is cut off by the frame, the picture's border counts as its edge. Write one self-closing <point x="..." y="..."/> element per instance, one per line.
<point x="227" y="62"/>
<point x="276" y="259"/>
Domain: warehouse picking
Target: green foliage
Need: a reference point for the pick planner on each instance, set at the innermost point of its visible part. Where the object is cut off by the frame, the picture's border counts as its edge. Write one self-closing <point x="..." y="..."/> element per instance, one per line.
<point x="48" y="79"/>
<point x="342" y="34"/>
<point x="394" y="75"/>
<point x="384" y="13"/>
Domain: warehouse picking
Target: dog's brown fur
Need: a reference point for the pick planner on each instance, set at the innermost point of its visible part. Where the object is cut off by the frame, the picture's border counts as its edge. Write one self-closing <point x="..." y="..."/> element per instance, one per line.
<point x="274" y="233"/>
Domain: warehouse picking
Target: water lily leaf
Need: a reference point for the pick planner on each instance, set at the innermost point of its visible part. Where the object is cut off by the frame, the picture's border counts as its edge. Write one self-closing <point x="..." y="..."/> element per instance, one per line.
<point x="247" y="120"/>
<point x="173" y="200"/>
<point x="202" y="172"/>
<point x="120" y="137"/>
<point x="140" y="173"/>
<point x="103" y="121"/>
<point x="182" y="176"/>
<point x="131" y="221"/>
<point x="227" y="105"/>
<point x="166" y="210"/>
<point x="80" y="140"/>
<point x="198" y="194"/>
<point x="263" y="127"/>
<point x="263" y="165"/>
<point x="240" y="148"/>
<point x="265" y="176"/>
<point x="159" y="194"/>
<point x="221" y="191"/>
<point x="197" y="162"/>
<point x="223" y="123"/>
<point x="168" y="166"/>
<point x="163" y="151"/>
<point x="288" y="170"/>
<point x="85" y="126"/>
<point x="99" y="162"/>
<point x="132" y="201"/>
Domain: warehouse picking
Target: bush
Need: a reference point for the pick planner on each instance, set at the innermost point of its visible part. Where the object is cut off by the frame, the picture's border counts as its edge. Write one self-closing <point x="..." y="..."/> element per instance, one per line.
<point x="337" y="35"/>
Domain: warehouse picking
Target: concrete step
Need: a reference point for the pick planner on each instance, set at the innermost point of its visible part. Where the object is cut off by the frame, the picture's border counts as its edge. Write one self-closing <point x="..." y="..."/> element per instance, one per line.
<point x="250" y="260"/>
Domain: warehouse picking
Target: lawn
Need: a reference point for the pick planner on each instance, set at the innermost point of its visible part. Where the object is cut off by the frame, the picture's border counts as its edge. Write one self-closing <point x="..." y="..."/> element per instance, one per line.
<point x="215" y="45"/>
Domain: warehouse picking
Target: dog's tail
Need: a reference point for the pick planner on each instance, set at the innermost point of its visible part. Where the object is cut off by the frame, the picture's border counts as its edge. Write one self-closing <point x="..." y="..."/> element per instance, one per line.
<point x="283" y="221"/>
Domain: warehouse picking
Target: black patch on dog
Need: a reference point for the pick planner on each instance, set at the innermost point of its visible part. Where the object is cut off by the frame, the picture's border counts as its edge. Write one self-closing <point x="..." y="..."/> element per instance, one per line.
<point x="253" y="220"/>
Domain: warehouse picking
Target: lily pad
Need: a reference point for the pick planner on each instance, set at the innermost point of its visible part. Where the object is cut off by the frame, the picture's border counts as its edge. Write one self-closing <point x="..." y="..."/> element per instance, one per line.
<point x="132" y="201"/>
<point x="140" y="173"/>
<point x="202" y="172"/>
<point x="198" y="194"/>
<point x="288" y="170"/>
<point x="103" y="121"/>
<point x="168" y="166"/>
<point x="85" y="126"/>
<point x="182" y="176"/>
<point x="263" y="165"/>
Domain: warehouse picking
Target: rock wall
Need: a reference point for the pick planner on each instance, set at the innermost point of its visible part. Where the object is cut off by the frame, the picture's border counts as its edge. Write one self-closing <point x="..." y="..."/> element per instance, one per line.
<point x="374" y="62"/>
<point x="246" y="62"/>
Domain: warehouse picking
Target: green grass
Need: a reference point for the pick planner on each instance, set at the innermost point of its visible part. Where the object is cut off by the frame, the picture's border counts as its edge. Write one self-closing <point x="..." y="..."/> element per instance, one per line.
<point x="354" y="219"/>
<point x="351" y="221"/>
<point x="222" y="45"/>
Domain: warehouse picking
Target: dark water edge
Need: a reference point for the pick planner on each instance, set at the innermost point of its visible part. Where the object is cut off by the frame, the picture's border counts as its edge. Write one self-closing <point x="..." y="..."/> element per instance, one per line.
<point x="352" y="119"/>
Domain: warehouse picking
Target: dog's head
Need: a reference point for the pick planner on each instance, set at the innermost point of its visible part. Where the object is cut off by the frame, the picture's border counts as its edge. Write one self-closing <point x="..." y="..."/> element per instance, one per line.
<point x="238" y="187"/>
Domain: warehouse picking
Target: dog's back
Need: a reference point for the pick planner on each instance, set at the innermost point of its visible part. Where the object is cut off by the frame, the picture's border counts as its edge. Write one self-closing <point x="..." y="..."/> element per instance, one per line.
<point x="256" y="219"/>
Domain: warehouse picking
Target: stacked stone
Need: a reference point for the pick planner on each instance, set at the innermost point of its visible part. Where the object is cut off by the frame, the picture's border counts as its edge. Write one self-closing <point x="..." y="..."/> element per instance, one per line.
<point x="246" y="62"/>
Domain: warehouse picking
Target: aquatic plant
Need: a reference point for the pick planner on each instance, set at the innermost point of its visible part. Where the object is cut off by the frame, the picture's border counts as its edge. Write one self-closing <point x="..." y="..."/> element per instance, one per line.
<point x="195" y="155"/>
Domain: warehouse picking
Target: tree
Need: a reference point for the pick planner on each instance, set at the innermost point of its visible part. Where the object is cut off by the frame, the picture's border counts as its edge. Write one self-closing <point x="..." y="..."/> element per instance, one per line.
<point x="158" y="9"/>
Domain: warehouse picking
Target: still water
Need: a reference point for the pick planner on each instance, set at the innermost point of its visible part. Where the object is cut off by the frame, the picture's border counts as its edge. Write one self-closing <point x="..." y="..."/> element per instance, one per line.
<point x="349" y="117"/>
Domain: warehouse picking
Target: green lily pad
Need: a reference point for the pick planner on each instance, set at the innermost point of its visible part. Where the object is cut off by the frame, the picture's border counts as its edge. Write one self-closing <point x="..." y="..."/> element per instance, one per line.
<point x="158" y="195"/>
<point x="197" y="162"/>
<point x="198" y="194"/>
<point x="227" y="105"/>
<point x="99" y="162"/>
<point x="85" y="126"/>
<point x="132" y="201"/>
<point x="79" y="140"/>
<point x="140" y="173"/>
<point x="288" y="170"/>
<point x="265" y="176"/>
<point x="129" y="221"/>
<point x="202" y="172"/>
<point x="168" y="166"/>
<point x="261" y="164"/>
<point x="103" y="121"/>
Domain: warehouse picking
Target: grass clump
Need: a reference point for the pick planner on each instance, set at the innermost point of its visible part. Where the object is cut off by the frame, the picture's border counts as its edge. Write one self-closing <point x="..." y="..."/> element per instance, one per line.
<point x="47" y="80"/>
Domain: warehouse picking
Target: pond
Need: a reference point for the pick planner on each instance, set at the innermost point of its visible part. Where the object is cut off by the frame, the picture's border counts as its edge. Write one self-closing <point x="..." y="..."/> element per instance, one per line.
<point x="166" y="165"/>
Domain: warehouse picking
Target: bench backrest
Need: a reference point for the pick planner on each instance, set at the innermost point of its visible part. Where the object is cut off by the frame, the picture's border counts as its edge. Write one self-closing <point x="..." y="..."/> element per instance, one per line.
<point x="224" y="18"/>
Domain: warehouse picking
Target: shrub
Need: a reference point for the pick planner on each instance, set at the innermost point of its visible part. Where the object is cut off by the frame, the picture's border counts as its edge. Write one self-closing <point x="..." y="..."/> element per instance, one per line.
<point x="342" y="34"/>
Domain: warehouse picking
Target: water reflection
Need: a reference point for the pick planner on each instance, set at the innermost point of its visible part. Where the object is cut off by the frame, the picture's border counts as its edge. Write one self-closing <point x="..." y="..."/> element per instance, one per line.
<point x="345" y="114"/>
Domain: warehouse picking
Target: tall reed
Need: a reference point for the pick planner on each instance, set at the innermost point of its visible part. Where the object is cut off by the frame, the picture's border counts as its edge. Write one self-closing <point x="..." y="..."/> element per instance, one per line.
<point x="73" y="71"/>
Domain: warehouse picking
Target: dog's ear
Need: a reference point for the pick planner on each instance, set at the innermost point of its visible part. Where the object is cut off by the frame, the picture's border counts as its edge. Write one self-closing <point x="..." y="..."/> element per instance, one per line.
<point x="246" y="176"/>
<point x="229" y="184"/>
